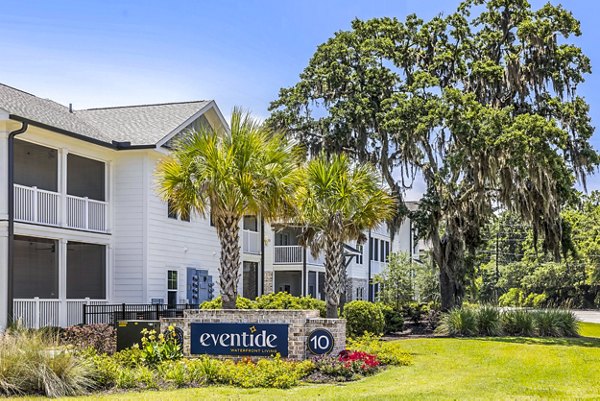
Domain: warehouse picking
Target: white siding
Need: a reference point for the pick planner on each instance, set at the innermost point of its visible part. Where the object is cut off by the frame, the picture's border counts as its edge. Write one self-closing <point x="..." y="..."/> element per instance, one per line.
<point x="174" y="244"/>
<point x="128" y="227"/>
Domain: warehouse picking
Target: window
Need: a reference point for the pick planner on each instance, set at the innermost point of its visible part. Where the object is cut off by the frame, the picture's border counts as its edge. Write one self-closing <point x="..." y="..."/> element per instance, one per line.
<point x="376" y="249"/>
<point x="387" y="251"/>
<point x="250" y="280"/>
<point x="86" y="271"/>
<point x="172" y="288"/>
<point x="382" y="257"/>
<point x="359" y="258"/>
<point x="36" y="267"/>
<point x="172" y="212"/>
<point x="250" y="223"/>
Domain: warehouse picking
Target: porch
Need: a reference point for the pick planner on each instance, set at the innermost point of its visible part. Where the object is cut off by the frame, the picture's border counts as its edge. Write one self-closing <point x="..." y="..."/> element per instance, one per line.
<point x="52" y="280"/>
<point x="56" y="188"/>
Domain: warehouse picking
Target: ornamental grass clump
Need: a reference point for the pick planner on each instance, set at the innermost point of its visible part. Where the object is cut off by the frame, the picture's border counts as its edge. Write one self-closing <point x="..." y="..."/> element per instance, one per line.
<point x="518" y="322"/>
<point x="488" y="321"/>
<point x="556" y="323"/>
<point x="33" y="363"/>
<point x="458" y="323"/>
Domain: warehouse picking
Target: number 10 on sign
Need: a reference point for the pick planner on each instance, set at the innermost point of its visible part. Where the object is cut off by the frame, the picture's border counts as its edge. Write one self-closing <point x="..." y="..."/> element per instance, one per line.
<point x="320" y="342"/>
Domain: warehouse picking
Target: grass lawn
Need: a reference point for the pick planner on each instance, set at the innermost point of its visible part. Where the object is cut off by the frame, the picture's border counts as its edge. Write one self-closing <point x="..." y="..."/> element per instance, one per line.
<point x="447" y="369"/>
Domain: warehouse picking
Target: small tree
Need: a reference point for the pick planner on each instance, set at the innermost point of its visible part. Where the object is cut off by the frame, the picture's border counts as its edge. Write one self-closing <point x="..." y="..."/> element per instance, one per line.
<point x="338" y="201"/>
<point x="397" y="280"/>
<point x="248" y="169"/>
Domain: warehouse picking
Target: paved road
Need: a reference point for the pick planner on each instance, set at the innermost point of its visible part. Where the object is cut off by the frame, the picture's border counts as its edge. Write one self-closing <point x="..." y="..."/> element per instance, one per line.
<point x="591" y="316"/>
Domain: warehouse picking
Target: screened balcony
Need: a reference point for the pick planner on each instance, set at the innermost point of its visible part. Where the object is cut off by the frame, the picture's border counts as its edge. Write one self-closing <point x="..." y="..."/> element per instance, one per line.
<point x="48" y="292"/>
<point x="61" y="190"/>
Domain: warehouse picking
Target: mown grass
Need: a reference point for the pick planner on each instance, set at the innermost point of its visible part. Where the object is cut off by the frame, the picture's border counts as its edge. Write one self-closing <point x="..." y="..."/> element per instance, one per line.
<point x="504" y="368"/>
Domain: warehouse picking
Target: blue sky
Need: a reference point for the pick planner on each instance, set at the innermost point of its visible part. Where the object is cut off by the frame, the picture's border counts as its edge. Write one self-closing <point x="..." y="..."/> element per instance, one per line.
<point x="105" y="53"/>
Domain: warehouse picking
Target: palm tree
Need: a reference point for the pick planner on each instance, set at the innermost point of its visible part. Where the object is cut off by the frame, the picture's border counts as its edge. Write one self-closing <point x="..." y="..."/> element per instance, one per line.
<point x="338" y="202"/>
<point x="248" y="169"/>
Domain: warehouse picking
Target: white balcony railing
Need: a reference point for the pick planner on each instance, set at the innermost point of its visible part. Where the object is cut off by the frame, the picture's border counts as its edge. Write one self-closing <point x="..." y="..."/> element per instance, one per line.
<point x="251" y="241"/>
<point x="377" y="267"/>
<point x="35" y="313"/>
<point x="86" y="214"/>
<point x="288" y="254"/>
<point x="34" y="205"/>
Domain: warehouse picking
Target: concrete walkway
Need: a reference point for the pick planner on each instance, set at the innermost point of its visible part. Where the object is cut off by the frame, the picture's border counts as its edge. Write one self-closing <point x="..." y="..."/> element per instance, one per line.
<point x="590" y="316"/>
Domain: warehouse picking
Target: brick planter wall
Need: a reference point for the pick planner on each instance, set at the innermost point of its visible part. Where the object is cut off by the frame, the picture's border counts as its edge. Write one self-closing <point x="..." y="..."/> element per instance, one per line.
<point x="301" y="323"/>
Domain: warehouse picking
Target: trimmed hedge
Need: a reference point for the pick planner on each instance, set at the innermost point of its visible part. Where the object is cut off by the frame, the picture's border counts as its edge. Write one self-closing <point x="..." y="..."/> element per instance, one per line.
<point x="278" y="300"/>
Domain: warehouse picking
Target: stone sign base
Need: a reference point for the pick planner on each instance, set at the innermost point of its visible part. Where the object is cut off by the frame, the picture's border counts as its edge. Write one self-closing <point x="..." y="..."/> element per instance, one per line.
<point x="301" y="323"/>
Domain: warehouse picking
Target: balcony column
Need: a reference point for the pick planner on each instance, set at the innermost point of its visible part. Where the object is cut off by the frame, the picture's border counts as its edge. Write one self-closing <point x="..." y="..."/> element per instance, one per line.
<point x="62" y="185"/>
<point x="62" y="281"/>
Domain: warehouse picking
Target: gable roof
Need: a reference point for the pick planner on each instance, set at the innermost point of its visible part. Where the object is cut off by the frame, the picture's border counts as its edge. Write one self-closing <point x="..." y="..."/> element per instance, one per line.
<point x="141" y="125"/>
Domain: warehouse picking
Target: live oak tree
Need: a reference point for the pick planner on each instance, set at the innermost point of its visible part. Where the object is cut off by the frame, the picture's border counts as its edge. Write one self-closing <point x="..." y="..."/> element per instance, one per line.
<point x="337" y="201"/>
<point x="482" y="104"/>
<point x="248" y="169"/>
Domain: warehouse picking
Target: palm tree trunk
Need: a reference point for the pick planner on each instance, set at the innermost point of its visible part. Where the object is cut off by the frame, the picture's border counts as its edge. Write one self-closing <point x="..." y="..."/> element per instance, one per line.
<point x="334" y="263"/>
<point x="228" y="231"/>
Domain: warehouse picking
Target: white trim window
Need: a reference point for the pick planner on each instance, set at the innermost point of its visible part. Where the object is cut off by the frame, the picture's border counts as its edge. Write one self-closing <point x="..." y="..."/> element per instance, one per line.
<point x="172" y="287"/>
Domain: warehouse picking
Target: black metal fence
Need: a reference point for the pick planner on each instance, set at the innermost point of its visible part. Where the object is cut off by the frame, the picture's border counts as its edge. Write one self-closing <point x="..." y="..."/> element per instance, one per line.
<point x="111" y="314"/>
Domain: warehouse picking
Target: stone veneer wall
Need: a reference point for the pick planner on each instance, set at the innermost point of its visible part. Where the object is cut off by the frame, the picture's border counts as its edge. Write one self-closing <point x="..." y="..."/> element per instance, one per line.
<point x="301" y="323"/>
<point x="268" y="282"/>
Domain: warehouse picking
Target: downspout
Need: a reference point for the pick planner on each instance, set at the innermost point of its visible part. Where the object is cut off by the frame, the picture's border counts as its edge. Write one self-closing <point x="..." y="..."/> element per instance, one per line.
<point x="262" y="255"/>
<point x="304" y="276"/>
<point x="11" y="211"/>
<point x="369" y="285"/>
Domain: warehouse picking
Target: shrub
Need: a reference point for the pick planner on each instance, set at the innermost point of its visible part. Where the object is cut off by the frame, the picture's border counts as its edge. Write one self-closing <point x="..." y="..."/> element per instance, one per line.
<point x="276" y="300"/>
<point x="517" y="322"/>
<point x="347" y="365"/>
<point x="488" y="321"/>
<point x="388" y="353"/>
<point x="33" y="363"/>
<point x="283" y="300"/>
<point x="415" y="311"/>
<point x="240" y="303"/>
<point x="513" y="297"/>
<point x="458" y="323"/>
<point x="101" y="337"/>
<point x="556" y="323"/>
<point x="274" y="373"/>
<point x="393" y="319"/>
<point x="160" y="347"/>
<point x="363" y="317"/>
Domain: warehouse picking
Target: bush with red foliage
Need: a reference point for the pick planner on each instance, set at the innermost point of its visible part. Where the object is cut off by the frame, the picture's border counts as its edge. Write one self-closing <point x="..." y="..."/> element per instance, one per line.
<point x="359" y="362"/>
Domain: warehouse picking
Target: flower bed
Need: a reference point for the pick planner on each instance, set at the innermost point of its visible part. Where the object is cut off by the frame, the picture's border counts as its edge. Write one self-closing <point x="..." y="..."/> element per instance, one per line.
<point x="158" y="364"/>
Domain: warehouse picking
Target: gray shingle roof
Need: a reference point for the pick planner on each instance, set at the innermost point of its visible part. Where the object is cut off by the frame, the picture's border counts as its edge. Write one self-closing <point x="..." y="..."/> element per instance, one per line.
<point x="140" y="125"/>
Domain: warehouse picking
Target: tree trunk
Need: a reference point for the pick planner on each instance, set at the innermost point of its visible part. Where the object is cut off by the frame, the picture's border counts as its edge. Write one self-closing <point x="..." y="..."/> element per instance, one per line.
<point x="334" y="263"/>
<point x="449" y="256"/>
<point x="228" y="231"/>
